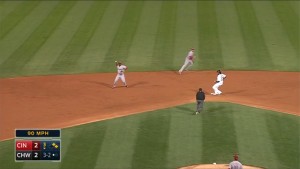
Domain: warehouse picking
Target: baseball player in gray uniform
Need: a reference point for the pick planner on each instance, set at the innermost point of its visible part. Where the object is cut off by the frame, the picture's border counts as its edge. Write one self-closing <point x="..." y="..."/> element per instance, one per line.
<point x="189" y="61"/>
<point x="235" y="164"/>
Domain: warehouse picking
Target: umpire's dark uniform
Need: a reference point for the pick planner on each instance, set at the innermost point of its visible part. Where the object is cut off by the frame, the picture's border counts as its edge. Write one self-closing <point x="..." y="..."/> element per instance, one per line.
<point x="200" y="97"/>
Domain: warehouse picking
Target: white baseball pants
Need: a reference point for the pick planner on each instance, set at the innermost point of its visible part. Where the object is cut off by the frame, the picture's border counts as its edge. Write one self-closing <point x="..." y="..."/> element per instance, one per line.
<point x="216" y="87"/>
<point x="187" y="64"/>
<point x="122" y="77"/>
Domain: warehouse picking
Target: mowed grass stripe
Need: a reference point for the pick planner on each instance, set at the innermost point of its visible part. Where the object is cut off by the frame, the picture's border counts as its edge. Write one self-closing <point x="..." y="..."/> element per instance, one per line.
<point x="23" y="54"/>
<point x="210" y="54"/>
<point x="285" y="140"/>
<point x="255" y="133"/>
<point x="283" y="55"/>
<point x="185" y="137"/>
<point x="7" y="155"/>
<point x="217" y="144"/>
<point x="142" y="47"/>
<point x="296" y="6"/>
<point x="99" y="44"/>
<point x="118" y="145"/>
<point x="165" y="37"/>
<point x="6" y="7"/>
<point x="151" y="144"/>
<point x="44" y="58"/>
<point x="86" y="143"/>
<point x="290" y="21"/>
<point x="66" y="62"/>
<point x="257" y="51"/>
<point x="10" y="43"/>
<point x="251" y="129"/>
<point x="231" y="41"/>
<point x="19" y="13"/>
<point x="186" y="33"/>
<point x="124" y="36"/>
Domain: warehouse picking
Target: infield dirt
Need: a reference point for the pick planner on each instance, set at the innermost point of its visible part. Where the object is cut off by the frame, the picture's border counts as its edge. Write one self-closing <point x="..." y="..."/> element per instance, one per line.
<point x="69" y="100"/>
<point x="216" y="166"/>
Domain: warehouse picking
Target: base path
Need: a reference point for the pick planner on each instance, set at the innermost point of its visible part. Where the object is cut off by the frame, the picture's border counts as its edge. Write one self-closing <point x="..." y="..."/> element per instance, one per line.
<point x="68" y="100"/>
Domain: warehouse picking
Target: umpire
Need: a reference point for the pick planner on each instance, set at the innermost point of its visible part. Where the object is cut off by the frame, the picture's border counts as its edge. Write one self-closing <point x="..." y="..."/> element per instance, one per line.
<point x="200" y="97"/>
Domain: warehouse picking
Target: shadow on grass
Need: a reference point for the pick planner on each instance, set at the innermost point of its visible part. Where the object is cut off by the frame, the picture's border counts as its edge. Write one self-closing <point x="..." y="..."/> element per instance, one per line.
<point x="186" y="110"/>
<point x="217" y="109"/>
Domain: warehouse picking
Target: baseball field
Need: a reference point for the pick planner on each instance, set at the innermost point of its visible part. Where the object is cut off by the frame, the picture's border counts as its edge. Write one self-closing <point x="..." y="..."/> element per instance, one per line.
<point x="57" y="69"/>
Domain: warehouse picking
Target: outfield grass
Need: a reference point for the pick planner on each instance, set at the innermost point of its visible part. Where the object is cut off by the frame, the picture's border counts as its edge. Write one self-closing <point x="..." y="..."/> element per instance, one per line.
<point x="65" y="37"/>
<point x="173" y="137"/>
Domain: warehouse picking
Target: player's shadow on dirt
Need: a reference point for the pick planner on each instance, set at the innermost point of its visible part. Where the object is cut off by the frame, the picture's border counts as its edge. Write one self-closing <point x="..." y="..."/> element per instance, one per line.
<point x="110" y="85"/>
<point x="100" y="83"/>
<point x="105" y="84"/>
<point x="234" y="92"/>
<point x="137" y="84"/>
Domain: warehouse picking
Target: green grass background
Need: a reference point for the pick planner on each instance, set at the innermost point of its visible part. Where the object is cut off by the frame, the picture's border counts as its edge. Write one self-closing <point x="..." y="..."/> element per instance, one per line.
<point x="174" y="137"/>
<point x="65" y="37"/>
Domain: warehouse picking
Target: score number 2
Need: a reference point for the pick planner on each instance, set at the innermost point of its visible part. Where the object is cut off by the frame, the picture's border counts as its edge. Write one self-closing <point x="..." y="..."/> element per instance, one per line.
<point x="36" y="145"/>
<point x="36" y="155"/>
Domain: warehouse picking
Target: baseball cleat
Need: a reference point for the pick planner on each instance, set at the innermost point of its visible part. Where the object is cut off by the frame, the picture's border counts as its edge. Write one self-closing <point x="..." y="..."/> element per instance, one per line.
<point x="196" y="113"/>
<point x="213" y="94"/>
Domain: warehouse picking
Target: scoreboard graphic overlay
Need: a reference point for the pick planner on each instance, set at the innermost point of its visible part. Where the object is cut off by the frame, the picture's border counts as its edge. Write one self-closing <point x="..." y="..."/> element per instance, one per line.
<point x="38" y="145"/>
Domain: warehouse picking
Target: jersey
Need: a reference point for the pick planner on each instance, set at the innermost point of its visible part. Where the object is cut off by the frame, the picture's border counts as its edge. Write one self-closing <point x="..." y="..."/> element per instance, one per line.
<point x="220" y="77"/>
<point x="235" y="165"/>
<point x="121" y="69"/>
<point x="190" y="55"/>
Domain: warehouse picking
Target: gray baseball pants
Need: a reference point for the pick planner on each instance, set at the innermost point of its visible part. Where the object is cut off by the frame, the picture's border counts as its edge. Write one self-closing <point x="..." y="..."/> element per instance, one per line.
<point x="200" y="104"/>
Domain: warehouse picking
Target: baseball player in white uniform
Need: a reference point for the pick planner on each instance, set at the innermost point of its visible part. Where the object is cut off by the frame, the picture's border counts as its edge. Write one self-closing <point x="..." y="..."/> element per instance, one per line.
<point x="121" y="69"/>
<point x="235" y="164"/>
<point x="218" y="83"/>
<point x="189" y="61"/>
